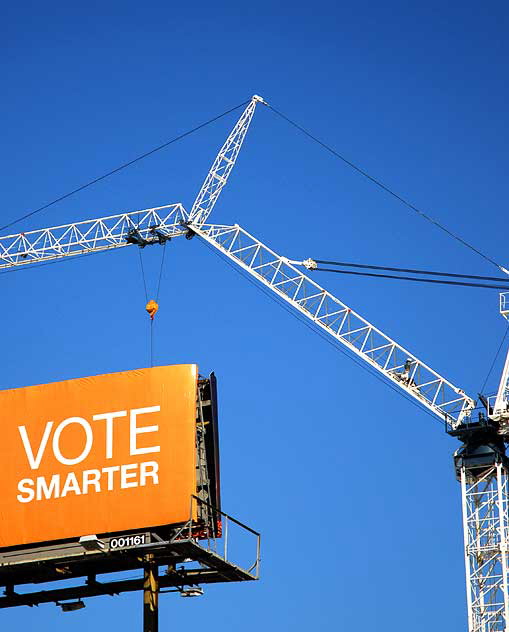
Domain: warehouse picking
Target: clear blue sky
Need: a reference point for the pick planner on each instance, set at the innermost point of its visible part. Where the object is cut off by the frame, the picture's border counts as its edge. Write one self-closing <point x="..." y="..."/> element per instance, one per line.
<point x="351" y="486"/>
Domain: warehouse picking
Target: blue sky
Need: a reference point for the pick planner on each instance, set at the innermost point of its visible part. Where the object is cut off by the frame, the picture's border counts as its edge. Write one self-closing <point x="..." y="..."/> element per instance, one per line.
<point x="351" y="486"/>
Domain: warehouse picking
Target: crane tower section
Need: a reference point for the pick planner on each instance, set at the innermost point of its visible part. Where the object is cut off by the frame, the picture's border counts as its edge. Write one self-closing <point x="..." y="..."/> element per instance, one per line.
<point x="483" y="471"/>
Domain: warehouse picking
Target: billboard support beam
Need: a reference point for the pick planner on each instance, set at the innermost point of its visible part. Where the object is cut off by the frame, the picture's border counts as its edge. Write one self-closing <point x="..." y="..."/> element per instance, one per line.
<point x="150" y="594"/>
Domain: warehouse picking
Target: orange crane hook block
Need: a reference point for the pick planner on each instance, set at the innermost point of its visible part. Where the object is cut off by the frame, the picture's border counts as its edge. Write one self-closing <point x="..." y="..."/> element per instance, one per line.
<point x="151" y="308"/>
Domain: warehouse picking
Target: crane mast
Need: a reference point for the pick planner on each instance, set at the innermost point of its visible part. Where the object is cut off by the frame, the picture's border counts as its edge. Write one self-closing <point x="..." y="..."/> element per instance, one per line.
<point x="481" y="464"/>
<point x="483" y="471"/>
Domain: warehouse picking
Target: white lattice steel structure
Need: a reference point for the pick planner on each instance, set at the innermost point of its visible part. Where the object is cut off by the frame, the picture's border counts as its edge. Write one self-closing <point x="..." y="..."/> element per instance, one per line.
<point x="485" y="521"/>
<point x="501" y="406"/>
<point x="37" y="246"/>
<point x="481" y="463"/>
<point x="340" y="321"/>
<point x="222" y="166"/>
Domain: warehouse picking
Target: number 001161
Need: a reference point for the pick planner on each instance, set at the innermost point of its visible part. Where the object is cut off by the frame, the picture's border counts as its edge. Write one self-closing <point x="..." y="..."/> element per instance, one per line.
<point x="125" y="541"/>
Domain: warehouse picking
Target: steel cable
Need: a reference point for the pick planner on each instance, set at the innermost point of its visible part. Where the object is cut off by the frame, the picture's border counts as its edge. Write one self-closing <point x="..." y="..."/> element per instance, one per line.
<point x="413" y="270"/>
<point x="419" y="280"/>
<point x="143" y="275"/>
<point x="160" y="273"/>
<point x="385" y="188"/>
<point x="481" y="391"/>
<point x="122" y="166"/>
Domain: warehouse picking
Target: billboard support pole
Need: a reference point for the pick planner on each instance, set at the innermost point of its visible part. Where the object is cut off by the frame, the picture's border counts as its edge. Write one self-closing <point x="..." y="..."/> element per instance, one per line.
<point x="150" y="595"/>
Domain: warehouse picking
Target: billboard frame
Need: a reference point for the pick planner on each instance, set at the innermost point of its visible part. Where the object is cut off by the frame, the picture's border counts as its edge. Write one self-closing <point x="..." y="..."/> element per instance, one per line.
<point x="210" y="562"/>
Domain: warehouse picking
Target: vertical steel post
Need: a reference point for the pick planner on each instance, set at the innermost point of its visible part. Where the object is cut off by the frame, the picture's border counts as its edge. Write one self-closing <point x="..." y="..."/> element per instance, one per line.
<point x="503" y="536"/>
<point x="466" y="536"/>
<point x="150" y="595"/>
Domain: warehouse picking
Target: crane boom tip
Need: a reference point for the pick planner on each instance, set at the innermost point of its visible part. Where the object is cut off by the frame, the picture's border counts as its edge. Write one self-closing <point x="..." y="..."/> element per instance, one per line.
<point x="259" y="99"/>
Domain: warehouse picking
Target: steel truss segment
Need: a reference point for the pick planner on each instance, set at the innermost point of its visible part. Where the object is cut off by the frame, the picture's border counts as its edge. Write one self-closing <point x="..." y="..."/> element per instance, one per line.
<point x="340" y="321"/>
<point x="222" y="166"/>
<point x="504" y="304"/>
<point x="485" y="503"/>
<point x="95" y="235"/>
<point x="501" y="408"/>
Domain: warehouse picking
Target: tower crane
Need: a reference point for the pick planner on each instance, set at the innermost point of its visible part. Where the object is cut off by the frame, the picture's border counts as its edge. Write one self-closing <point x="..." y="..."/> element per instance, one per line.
<point x="482" y="467"/>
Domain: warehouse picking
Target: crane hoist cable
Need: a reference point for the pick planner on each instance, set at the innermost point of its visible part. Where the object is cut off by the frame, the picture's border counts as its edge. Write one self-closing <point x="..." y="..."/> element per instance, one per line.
<point x="160" y="272"/>
<point x="143" y="275"/>
<point x="388" y="190"/>
<point x="152" y="306"/>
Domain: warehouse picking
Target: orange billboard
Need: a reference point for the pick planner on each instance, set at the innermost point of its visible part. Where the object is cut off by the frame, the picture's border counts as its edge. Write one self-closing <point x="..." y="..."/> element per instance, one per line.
<point x="97" y="455"/>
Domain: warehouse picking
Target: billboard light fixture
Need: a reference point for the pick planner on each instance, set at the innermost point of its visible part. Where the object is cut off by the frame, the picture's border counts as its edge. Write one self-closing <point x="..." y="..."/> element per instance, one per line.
<point x="193" y="591"/>
<point x="91" y="543"/>
<point x="71" y="606"/>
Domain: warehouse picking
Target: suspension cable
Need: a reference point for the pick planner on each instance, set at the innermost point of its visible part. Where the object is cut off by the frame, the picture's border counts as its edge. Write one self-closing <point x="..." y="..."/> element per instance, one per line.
<point x="413" y="270"/>
<point x="385" y="188"/>
<point x="123" y="166"/>
<point x="314" y="328"/>
<point x="481" y="391"/>
<point x="417" y="279"/>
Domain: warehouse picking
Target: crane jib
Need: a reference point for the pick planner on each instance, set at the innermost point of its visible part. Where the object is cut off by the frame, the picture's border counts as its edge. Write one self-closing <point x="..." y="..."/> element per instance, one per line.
<point x="347" y="327"/>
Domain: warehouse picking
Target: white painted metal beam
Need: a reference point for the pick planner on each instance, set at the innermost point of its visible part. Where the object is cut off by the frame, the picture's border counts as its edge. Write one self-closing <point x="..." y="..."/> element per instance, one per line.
<point x="105" y="233"/>
<point x="222" y="166"/>
<point x="341" y="322"/>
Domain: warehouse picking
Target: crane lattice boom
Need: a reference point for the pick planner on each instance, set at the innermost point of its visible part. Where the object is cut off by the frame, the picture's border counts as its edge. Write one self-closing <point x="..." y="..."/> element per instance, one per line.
<point x="340" y="321"/>
<point x="157" y="225"/>
<point x="222" y="166"/>
<point x="116" y="231"/>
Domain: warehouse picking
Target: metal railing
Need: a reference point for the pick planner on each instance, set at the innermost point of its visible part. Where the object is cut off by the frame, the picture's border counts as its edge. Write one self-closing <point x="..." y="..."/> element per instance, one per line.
<point x="223" y="535"/>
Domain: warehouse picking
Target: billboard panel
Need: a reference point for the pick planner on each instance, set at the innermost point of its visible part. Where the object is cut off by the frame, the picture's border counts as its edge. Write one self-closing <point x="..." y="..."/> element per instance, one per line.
<point x="97" y="455"/>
